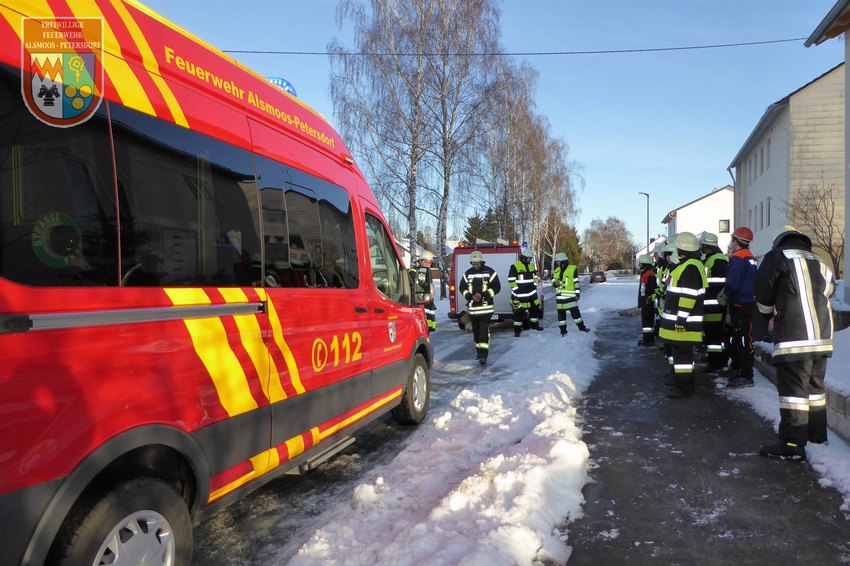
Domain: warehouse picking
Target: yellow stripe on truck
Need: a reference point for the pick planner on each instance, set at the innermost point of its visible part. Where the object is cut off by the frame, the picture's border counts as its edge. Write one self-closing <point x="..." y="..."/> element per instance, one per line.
<point x="252" y="340"/>
<point x="277" y="331"/>
<point x="123" y="78"/>
<point x="36" y="8"/>
<point x="210" y="340"/>
<point x="151" y="65"/>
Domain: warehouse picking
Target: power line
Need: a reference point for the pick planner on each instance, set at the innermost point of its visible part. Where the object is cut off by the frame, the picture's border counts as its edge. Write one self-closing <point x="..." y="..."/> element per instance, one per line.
<point x="521" y="53"/>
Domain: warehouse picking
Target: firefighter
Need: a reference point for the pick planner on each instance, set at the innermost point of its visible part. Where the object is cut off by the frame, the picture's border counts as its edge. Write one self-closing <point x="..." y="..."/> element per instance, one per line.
<point x="738" y="295"/>
<point x="716" y="264"/>
<point x="646" y="299"/>
<point x="423" y="288"/>
<point x="668" y="254"/>
<point x="793" y="286"/>
<point x="522" y="278"/>
<point x="662" y="270"/>
<point x="567" y="293"/>
<point x="681" y="323"/>
<point x="478" y="286"/>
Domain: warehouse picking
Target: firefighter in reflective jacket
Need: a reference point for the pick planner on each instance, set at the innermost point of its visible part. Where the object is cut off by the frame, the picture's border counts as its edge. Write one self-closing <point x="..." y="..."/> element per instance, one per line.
<point x="522" y="278"/>
<point x="681" y="323"/>
<point x="567" y="293"/>
<point x="478" y="286"/>
<point x="716" y="264"/>
<point x="793" y="286"/>
<point x="423" y="288"/>
<point x="646" y="299"/>
<point x="662" y="269"/>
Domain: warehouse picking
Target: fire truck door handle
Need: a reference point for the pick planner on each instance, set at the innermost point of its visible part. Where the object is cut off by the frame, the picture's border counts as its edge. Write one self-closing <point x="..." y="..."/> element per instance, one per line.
<point x="379" y="311"/>
<point x="360" y="309"/>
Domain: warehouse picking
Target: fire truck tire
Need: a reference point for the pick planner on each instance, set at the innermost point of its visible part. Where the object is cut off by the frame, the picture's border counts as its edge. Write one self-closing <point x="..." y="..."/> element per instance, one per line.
<point x="140" y="520"/>
<point x="416" y="396"/>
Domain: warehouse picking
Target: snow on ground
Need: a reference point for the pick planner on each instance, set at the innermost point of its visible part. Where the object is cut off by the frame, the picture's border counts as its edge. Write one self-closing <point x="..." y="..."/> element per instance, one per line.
<point x="488" y="480"/>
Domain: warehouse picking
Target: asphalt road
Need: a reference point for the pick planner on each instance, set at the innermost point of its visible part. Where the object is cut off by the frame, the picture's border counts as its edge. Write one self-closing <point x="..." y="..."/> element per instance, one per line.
<point x="680" y="481"/>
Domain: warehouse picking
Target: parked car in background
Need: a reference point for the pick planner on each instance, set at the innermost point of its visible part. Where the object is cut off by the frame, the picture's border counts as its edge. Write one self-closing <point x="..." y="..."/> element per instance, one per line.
<point x="598" y="277"/>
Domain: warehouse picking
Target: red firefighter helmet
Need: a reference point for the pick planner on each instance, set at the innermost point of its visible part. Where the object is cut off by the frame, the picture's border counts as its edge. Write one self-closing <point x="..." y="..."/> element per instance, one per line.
<point x="744" y="234"/>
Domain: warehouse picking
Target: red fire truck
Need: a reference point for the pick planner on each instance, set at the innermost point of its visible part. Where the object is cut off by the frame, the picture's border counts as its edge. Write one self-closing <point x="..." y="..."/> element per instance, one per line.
<point x="198" y="290"/>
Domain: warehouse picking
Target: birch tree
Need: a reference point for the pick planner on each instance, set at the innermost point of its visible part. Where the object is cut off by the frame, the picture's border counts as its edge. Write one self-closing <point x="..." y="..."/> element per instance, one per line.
<point x="378" y="92"/>
<point x="459" y="73"/>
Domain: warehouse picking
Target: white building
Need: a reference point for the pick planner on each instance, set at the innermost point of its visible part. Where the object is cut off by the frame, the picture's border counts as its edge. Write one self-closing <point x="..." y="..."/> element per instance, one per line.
<point x="709" y="213"/>
<point x="797" y="144"/>
<point x="836" y="23"/>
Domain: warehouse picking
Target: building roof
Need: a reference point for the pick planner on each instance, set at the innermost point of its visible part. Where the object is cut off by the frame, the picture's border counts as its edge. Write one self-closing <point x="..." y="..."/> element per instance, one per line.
<point x="672" y="214"/>
<point x="770" y="115"/>
<point x="836" y="22"/>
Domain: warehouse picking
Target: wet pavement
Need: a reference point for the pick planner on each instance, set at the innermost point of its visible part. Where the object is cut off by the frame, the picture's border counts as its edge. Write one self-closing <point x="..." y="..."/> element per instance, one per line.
<point x="680" y="481"/>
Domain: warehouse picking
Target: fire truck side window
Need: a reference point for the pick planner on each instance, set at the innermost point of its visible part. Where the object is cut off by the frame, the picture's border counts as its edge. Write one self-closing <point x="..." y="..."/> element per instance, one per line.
<point x="57" y="212"/>
<point x="192" y="205"/>
<point x="308" y="229"/>
<point x="388" y="272"/>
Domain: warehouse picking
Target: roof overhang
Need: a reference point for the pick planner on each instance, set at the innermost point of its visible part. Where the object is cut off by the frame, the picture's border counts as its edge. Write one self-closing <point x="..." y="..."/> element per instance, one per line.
<point x="836" y="22"/>
<point x="764" y="124"/>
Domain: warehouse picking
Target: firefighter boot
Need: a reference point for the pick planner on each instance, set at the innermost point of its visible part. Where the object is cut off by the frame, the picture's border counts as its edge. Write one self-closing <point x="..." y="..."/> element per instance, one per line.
<point x="785" y="451"/>
<point x="517" y="330"/>
<point x="563" y="331"/>
<point x="583" y="328"/>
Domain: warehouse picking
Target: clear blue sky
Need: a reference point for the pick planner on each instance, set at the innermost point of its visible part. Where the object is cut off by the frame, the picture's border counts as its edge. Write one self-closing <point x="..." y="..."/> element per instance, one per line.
<point x="666" y="123"/>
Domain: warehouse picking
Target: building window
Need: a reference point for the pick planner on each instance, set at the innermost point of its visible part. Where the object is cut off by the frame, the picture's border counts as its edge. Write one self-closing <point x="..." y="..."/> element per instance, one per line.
<point x="723" y="228"/>
<point x="768" y="153"/>
<point x="761" y="161"/>
<point x="761" y="215"/>
<point x="768" y="211"/>
<point x="750" y="217"/>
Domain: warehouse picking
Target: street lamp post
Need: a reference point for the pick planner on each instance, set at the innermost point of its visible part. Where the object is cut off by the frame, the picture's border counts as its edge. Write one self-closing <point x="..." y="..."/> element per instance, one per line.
<point x="647" y="219"/>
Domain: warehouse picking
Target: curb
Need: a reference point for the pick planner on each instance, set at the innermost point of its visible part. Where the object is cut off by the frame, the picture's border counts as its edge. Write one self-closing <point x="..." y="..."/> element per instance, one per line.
<point x="838" y="405"/>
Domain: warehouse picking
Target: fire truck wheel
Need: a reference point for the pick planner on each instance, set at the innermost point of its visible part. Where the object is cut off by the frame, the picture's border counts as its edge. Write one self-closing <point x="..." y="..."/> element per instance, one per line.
<point x="416" y="395"/>
<point x="142" y="521"/>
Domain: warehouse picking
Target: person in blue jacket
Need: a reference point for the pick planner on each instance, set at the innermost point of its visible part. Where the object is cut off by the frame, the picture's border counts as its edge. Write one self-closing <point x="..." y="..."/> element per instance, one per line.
<point x="739" y="296"/>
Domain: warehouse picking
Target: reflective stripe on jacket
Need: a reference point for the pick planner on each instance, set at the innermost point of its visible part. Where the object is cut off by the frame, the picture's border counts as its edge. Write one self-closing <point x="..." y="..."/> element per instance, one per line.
<point x="683" y="303"/>
<point x="485" y="281"/>
<point x="566" y="282"/>
<point x="715" y="271"/>
<point x="523" y="282"/>
<point x="794" y="285"/>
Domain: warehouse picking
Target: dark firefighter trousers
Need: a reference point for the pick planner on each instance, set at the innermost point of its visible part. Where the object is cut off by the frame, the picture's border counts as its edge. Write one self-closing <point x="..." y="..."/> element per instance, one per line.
<point x="741" y="338"/>
<point x="481" y="334"/>
<point x="802" y="401"/>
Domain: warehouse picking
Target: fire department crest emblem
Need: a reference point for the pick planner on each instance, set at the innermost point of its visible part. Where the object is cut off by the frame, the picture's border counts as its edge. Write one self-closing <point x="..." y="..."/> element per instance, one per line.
<point x="62" y="62"/>
<point x="392" y="331"/>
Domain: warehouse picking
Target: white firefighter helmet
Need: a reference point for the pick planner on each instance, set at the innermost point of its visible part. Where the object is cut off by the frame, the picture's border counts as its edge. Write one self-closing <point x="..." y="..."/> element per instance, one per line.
<point x="708" y="239"/>
<point x="788" y="230"/>
<point x="686" y="241"/>
<point x="561" y="256"/>
<point x="527" y="253"/>
<point x="426" y="255"/>
<point x="645" y="259"/>
<point x="476" y="257"/>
